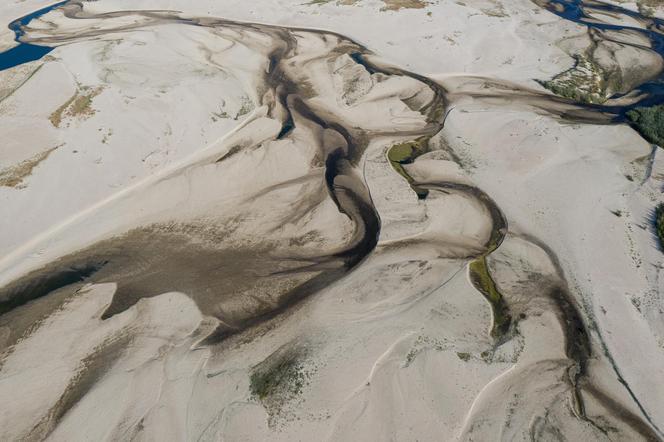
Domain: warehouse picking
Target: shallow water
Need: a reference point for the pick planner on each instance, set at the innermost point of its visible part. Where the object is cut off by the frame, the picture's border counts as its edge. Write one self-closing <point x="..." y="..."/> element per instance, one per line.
<point x="25" y="52"/>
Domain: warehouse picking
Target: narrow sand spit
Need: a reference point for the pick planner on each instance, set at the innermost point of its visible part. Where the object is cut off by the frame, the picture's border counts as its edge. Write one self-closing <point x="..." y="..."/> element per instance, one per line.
<point x="254" y="231"/>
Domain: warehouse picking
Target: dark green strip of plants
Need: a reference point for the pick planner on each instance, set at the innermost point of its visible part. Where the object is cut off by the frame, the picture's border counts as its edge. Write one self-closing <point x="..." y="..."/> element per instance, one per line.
<point x="649" y="121"/>
<point x="659" y="224"/>
<point x="406" y="153"/>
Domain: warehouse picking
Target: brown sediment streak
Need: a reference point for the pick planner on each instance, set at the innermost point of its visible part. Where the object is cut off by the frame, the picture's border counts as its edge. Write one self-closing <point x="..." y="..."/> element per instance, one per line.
<point x="90" y="370"/>
<point x="478" y="270"/>
<point x="578" y="348"/>
<point x="620" y="412"/>
<point x="577" y="339"/>
<point x="136" y="261"/>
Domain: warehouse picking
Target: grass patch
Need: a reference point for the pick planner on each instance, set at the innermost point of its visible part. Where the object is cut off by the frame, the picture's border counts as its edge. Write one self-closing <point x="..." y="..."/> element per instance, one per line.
<point x="395" y="5"/>
<point x="78" y="106"/>
<point x="81" y="106"/>
<point x="280" y="375"/>
<point x="585" y="82"/>
<point x="406" y="153"/>
<point x="57" y="115"/>
<point x="13" y="176"/>
<point x="569" y="90"/>
<point x="285" y="375"/>
<point x="479" y="275"/>
<point x="465" y="357"/>
<point x="659" y="224"/>
<point x="649" y="122"/>
<point x="280" y="379"/>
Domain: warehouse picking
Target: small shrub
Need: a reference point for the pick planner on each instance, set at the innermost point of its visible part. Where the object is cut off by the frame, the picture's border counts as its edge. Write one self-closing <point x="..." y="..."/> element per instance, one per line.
<point x="465" y="357"/>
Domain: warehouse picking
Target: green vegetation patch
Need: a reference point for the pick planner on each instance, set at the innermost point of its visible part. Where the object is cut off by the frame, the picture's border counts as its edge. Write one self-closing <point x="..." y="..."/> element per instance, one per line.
<point x="82" y="105"/>
<point x="281" y="375"/>
<point x="14" y="176"/>
<point x="285" y="375"/>
<point x="479" y="275"/>
<point x="465" y="357"/>
<point x="56" y="116"/>
<point x="585" y="82"/>
<point x="406" y="153"/>
<point x="395" y="5"/>
<point x="279" y="380"/>
<point x="659" y="224"/>
<point x="649" y="121"/>
<point x="79" y="105"/>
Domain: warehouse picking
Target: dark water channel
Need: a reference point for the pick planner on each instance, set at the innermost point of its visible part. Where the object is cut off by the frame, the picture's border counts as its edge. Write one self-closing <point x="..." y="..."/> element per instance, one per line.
<point x="25" y="52"/>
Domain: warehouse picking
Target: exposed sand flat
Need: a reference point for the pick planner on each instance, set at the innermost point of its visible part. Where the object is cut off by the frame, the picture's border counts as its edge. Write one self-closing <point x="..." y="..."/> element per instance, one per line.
<point x="273" y="221"/>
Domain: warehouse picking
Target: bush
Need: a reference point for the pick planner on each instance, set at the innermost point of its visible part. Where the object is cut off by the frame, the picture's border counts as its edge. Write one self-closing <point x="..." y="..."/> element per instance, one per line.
<point x="659" y="224"/>
<point x="649" y="121"/>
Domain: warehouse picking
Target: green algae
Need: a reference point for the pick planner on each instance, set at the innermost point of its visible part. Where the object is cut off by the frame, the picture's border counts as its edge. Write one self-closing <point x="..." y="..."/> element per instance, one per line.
<point x="406" y="153"/>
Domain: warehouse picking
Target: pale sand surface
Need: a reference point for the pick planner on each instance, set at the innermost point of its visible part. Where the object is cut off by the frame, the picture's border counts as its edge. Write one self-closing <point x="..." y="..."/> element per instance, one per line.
<point x="195" y="189"/>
